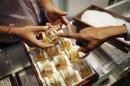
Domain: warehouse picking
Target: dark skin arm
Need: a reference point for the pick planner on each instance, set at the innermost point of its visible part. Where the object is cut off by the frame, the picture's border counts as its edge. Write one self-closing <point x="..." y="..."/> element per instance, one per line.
<point x="94" y="37"/>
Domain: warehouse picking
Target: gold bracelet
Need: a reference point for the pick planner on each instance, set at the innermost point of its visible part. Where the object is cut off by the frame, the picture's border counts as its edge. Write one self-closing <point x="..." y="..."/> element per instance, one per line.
<point x="9" y="30"/>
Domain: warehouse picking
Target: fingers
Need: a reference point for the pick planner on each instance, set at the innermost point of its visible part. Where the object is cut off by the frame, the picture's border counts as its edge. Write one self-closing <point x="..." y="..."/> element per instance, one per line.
<point x="39" y="43"/>
<point x="44" y="45"/>
<point x="67" y="23"/>
<point x="82" y="49"/>
<point x="40" y="28"/>
<point x="87" y="48"/>
<point x="56" y="27"/>
<point x="69" y="28"/>
<point x="49" y="24"/>
<point x="85" y="51"/>
<point x="71" y="35"/>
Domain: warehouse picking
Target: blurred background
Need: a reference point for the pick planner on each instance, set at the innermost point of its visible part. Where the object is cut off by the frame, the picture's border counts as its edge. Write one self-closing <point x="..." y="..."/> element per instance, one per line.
<point x="75" y="6"/>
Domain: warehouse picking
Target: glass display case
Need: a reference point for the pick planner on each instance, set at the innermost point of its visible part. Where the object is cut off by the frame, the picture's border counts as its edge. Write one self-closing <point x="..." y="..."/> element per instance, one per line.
<point x="63" y="65"/>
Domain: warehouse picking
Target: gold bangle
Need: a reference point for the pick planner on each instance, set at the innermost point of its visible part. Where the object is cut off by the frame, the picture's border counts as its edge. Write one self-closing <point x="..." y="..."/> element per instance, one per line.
<point x="9" y="30"/>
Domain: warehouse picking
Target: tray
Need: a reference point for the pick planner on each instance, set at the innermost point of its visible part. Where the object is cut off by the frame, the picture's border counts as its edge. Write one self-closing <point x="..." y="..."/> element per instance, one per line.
<point x="43" y="78"/>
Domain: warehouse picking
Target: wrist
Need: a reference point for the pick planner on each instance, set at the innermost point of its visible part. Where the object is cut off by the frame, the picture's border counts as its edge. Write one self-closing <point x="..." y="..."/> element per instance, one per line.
<point x="14" y="30"/>
<point x="46" y="3"/>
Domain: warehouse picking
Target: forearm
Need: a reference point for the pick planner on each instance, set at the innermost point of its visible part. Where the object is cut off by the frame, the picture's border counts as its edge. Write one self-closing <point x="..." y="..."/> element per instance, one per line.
<point x="115" y="31"/>
<point x="46" y="3"/>
<point x="5" y="30"/>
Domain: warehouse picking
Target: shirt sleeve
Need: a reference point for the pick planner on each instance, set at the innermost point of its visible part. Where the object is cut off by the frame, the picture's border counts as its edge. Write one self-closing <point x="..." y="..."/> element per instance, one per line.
<point x="128" y="31"/>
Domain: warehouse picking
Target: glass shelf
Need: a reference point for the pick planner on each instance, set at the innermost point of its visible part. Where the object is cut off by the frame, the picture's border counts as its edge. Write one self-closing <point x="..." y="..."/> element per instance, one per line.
<point x="114" y="75"/>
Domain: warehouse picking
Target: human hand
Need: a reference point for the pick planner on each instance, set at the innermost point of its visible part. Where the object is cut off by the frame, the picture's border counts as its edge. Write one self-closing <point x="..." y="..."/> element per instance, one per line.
<point x="29" y="33"/>
<point x="93" y="37"/>
<point x="56" y="16"/>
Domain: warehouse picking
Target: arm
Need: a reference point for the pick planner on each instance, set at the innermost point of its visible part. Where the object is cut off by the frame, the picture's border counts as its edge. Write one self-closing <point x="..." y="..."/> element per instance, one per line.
<point x="27" y="33"/>
<point x="4" y="29"/>
<point x="46" y="3"/>
<point x="94" y="37"/>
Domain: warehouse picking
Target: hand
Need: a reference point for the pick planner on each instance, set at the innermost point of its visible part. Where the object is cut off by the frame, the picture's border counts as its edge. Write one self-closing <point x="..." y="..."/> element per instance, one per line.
<point x="93" y="37"/>
<point x="28" y="33"/>
<point x="56" y="16"/>
<point x="55" y="27"/>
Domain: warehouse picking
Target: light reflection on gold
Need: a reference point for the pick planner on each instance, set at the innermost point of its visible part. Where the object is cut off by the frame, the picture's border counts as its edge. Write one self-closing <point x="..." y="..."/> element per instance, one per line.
<point x="40" y="56"/>
<point x="54" y="80"/>
<point x="52" y="34"/>
<point x="46" y="68"/>
<point x="67" y="77"/>
<point x="65" y="44"/>
<point x="83" y="68"/>
<point x="60" y="61"/>
<point x="73" y="55"/>
<point x="52" y="51"/>
<point x="46" y="38"/>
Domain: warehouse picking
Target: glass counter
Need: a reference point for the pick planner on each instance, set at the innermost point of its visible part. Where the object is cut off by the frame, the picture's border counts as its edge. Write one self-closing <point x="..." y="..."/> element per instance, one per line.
<point x="114" y="75"/>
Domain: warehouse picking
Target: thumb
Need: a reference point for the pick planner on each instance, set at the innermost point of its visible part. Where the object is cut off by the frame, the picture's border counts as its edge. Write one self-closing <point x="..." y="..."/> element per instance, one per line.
<point x="44" y="45"/>
<point x="39" y="43"/>
<point x="40" y="28"/>
<point x="67" y="23"/>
